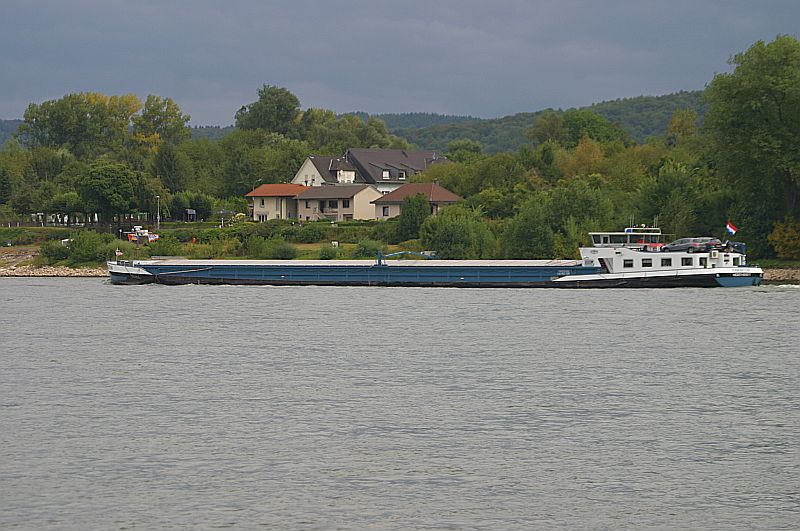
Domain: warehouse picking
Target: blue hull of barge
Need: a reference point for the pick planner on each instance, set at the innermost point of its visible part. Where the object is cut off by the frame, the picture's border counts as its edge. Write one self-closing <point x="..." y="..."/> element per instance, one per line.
<point x="366" y="275"/>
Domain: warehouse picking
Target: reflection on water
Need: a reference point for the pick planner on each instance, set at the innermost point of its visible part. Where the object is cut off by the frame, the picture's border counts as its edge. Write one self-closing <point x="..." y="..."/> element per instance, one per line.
<point x="394" y="408"/>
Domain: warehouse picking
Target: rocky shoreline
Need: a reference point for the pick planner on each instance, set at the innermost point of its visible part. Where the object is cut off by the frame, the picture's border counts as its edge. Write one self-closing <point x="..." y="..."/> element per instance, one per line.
<point x="52" y="271"/>
<point x="791" y="276"/>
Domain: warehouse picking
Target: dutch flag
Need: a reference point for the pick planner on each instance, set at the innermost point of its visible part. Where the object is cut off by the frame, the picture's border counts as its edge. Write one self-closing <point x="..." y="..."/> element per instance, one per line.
<point x="731" y="228"/>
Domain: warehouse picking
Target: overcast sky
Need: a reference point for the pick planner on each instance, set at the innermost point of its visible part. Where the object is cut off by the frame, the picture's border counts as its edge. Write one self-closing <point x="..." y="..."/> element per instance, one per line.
<point x="483" y="58"/>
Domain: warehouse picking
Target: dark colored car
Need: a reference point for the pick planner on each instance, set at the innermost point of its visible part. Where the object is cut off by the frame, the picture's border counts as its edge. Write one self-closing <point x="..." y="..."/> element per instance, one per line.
<point x="692" y="245"/>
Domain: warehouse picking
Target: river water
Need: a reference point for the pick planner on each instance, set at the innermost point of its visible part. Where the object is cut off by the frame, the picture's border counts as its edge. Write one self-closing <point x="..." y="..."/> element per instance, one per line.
<point x="396" y="408"/>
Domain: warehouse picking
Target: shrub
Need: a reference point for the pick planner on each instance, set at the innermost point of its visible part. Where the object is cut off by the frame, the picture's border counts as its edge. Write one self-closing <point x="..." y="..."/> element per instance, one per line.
<point x="256" y="247"/>
<point x="369" y="249"/>
<point x="280" y="250"/>
<point x="385" y="231"/>
<point x="167" y="245"/>
<point x="310" y="233"/>
<point x="199" y="250"/>
<point x="182" y="235"/>
<point x="328" y="252"/>
<point x="275" y="248"/>
<point x="226" y="247"/>
<point x="785" y="239"/>
<point x="52" y="252"/>
<point x="89" y="247"/>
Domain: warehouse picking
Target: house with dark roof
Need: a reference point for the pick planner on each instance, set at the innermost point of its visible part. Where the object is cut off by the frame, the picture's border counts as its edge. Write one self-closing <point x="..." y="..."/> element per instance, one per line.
<point x="273" y="201"/>
<point x="344" y="202"/>
<point x="390" y="205"/>
<point x="317" y="170"/>
<point x="386" y="169"/>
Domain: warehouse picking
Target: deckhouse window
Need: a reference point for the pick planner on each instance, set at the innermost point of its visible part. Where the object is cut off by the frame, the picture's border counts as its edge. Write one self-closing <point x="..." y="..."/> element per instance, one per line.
<point x="687" y="261"/>
<point x="666" y="262"/>
<point x="627" y="263"/>
<point x="703" y="261"/>
<point x="647" y="262"/>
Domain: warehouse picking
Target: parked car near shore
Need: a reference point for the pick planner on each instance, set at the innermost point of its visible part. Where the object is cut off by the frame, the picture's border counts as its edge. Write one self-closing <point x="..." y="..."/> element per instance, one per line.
<point x="692" y="245"/>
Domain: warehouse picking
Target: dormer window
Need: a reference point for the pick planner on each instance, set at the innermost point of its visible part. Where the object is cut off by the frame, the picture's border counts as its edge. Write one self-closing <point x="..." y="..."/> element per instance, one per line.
<point x="401" y="175"/>
<point x="386" y="174"/>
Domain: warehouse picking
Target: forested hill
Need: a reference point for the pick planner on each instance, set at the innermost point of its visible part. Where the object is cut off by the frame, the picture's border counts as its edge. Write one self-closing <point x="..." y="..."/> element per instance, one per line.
<point x="646" y="116"/>
<point x="211" y="132"/>
<point x="7" y="129"/>
<point x="416" y="120"/>
<point x="640" y="117"/>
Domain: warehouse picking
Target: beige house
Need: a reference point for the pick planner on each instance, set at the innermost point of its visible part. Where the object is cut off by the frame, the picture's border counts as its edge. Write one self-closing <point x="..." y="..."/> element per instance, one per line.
<point x="389" y="205"/>
<point x="343" y="202"/>
<point x="274" y="201"/>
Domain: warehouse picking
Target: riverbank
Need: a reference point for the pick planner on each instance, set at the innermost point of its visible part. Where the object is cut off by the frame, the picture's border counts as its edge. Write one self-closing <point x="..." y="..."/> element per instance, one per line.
<point x="52" y="271"/>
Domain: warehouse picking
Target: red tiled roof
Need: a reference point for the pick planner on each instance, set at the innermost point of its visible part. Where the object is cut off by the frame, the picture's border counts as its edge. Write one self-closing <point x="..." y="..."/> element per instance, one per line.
<point x="434" y="193"/>
<point x="277" y="190"/>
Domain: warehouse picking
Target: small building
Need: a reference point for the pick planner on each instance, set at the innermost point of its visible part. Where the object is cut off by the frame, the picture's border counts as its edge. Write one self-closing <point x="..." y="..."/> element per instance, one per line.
<point x="274" y="201"/>
<point x="343" y="202"/>
<point x="390" y="205"/>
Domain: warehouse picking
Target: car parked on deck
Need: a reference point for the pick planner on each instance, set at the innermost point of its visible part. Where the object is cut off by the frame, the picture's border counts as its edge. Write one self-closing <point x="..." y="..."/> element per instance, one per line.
<point x="692" y="245"/>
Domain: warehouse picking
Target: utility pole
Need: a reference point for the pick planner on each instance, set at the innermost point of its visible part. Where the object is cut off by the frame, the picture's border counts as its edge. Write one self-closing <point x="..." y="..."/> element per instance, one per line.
<point x="158" y="212"/>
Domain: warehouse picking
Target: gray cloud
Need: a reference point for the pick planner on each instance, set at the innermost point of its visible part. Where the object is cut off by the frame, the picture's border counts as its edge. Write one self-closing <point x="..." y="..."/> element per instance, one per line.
<point x="463" y="57"/>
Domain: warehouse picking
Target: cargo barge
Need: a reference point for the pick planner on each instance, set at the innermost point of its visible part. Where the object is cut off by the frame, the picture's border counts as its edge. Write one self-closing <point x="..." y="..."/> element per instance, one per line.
<point x="630" y="259"/>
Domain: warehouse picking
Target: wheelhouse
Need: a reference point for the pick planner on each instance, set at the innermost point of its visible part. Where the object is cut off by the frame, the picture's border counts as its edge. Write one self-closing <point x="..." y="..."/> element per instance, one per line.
<point x="632" y="237"/>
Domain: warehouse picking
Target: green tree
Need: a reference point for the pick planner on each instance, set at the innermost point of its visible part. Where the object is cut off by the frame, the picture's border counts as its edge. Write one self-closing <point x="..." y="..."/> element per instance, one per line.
<point x="87" y="123"/>
<point x="580" y="123"/>
<point x="109" y="188"/>
<point x="549" y="125"/>
<point x="528" y="234"/>
<point x="162" y="117"/>
<point x="275" y="110"/>
<point x="464" y="150"/>
<point x="754" y="124"/>
<point x="458" y="233"/>
<point x="682" y="125"/>
<point x="172" y="167"/>
<point x="413" y="213"/>
<point x="5" y="186"/>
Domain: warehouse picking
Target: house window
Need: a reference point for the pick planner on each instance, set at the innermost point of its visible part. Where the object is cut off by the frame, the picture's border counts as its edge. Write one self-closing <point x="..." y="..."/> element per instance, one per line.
<point x="386" y="174"/>
<point x="308" y="204"/>
<point x="627" y="263"/>
<point x="386" y="211"/>
<point x="401" y="175"/>
<point x="262" y="201"/>
<point x="333" y="204"/>
<point x="687" y="261"/>
<point x="647" y="262"/>
<point x="666" y="262"/>
<point x="345" y="203"/>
